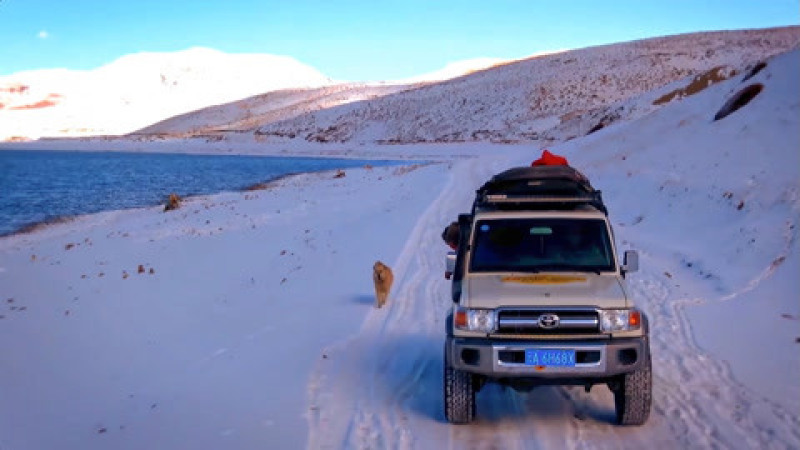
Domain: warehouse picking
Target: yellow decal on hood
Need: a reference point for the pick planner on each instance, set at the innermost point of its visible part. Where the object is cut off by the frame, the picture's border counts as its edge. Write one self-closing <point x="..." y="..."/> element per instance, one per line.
<point x="543" y="279"/>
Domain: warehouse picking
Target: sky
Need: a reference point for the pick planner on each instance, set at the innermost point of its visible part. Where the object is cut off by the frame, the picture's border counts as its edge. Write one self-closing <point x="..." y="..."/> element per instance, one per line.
<point x="353" y="40"/>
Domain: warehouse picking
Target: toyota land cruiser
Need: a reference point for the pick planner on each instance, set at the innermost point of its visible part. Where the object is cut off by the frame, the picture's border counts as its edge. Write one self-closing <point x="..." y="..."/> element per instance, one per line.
<point x="539" y="298"/>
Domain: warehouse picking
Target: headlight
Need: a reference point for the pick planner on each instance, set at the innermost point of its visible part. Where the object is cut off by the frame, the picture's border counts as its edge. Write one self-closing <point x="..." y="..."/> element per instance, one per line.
<point x="483" y="320"/>
<point x="620" y="320"/>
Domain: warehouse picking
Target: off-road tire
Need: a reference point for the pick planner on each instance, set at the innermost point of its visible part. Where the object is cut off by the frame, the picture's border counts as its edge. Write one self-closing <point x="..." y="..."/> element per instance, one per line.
<point x="459" y="395"/>
<point x="633" y="397"/>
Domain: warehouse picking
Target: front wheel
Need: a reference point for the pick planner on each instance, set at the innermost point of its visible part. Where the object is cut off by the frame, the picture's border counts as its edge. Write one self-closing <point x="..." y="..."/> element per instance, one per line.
<point x="633" y="396"/>
<point x="459" y="395"/>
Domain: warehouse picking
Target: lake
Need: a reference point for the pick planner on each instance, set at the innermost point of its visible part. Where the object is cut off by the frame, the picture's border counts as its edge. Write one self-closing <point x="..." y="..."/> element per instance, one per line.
<point x="44" y="186"/>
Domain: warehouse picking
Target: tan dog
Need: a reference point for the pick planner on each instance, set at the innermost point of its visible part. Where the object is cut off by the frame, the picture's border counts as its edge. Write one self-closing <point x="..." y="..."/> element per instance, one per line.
<point x="383" y="277"/>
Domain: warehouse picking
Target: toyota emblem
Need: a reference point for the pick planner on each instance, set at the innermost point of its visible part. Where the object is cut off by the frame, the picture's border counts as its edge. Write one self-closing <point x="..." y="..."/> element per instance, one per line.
<point x="549" y="321"/>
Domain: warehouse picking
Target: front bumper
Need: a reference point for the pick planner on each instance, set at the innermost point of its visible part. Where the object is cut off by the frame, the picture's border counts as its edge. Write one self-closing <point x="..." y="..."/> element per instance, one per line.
<point x="505" y="358"/>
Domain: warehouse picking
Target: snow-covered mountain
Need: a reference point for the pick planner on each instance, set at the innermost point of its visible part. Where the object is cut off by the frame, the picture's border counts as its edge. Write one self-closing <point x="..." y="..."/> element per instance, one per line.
<point x="555" y="96"/>
<point x="277" y="99"/>
<point x="248" y="114"/>
<point x="139" y="89"/>
<point x="454" y="70"/>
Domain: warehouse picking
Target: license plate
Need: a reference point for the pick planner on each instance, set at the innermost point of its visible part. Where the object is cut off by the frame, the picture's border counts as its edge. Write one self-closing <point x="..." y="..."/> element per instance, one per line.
<point x="558" y="358"/>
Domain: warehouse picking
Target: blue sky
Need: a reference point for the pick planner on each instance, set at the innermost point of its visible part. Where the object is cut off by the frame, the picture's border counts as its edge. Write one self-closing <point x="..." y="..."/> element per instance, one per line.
<point x="356" y="40"/>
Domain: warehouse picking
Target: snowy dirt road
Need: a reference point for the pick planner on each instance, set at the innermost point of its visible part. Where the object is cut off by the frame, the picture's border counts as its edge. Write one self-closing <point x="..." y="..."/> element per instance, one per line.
<point x="382" y="388"/>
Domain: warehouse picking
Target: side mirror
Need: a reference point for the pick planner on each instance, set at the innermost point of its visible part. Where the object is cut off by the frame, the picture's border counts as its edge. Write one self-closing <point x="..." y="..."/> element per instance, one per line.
<point x="630" y="262"/>
<point x="449" y="264"/>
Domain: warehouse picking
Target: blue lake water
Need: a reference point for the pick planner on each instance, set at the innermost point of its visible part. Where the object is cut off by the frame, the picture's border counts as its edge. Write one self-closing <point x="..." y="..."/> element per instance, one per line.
<point x="42" y="186"/>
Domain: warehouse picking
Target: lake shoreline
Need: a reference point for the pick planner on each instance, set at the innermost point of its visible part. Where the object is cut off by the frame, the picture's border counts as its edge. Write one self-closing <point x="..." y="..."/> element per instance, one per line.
<point x="442" y="151"/>
<point x="48" y="187"/>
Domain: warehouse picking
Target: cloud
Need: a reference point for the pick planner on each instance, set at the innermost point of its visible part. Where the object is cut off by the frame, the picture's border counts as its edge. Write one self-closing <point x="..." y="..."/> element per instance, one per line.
<point x="43" y="34"/>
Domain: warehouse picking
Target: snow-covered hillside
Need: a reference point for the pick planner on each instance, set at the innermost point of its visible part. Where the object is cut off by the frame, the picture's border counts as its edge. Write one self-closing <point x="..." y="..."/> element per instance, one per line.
<point x="556" y="96"/>
<point x="245" y="115"/>
<point x="256" y="326"/>
<point x="138" y="90"/>
<point x="457" y="69"/>
<point x="553" y="96"/>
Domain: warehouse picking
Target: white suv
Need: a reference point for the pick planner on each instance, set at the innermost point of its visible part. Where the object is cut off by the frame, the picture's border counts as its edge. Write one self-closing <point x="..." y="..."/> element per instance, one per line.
<point x="539" y="297"/>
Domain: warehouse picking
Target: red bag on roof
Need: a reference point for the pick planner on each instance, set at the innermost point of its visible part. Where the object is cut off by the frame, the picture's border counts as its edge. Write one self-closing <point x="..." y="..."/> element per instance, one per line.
<point x="549" y="159"/>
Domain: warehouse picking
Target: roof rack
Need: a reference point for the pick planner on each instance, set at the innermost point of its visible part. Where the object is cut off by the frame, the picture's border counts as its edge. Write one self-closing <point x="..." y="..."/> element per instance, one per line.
<point x="538" y="187"/>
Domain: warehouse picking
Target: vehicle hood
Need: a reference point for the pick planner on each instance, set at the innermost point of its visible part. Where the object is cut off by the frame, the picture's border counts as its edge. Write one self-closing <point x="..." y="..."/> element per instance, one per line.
<point x="561" y="289"/>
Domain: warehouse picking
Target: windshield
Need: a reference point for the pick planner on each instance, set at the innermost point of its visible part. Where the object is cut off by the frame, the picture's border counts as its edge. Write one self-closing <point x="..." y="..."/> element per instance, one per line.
<point x="534" y="245"/>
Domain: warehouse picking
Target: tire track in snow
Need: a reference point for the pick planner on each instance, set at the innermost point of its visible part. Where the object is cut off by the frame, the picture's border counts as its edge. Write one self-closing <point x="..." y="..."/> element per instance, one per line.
<point x="697" y="403"/>
<point x="491" y="430"/>
<point x="397" y="360"/>
<point x="789" y="239"/>
<point x="397" y="355"/>
<point x="696" y="395"/>
<point x="382" y="387"/>
<point x="421" y="300"/>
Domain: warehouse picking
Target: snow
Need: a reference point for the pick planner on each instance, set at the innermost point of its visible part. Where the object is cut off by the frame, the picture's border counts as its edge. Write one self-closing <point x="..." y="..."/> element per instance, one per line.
<point x="545" y="97"/>
<point x="457" y="69"/>
<point x="283" y="101"/>
<point x="143" y="88"/>
<point x="257" y="327"/>
<point x="149" y="87"/>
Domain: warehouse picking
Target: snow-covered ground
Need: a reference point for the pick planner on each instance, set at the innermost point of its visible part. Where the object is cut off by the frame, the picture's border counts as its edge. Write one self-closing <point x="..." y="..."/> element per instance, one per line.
<point x="252" y="323"/>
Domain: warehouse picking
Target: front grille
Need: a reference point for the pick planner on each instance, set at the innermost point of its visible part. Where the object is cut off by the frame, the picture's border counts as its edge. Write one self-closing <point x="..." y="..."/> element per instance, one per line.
<point x="547" y="322"/>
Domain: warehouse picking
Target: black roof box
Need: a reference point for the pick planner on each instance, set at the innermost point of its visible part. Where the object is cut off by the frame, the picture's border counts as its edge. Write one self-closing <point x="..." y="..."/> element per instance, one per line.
<point x="539" y="187"/>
